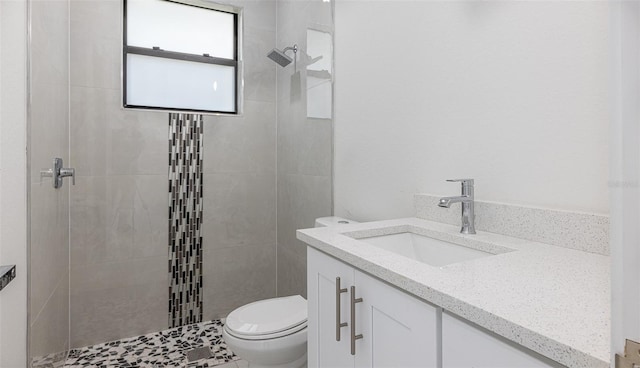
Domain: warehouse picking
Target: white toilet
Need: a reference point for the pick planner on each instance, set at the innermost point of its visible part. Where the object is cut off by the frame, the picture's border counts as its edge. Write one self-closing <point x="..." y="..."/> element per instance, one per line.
<point x="272" y="332"/>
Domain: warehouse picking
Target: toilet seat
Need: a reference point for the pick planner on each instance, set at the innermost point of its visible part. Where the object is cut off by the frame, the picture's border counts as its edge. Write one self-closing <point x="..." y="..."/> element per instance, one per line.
<point x="267" y="336"/>
<point x="268" y="319"/>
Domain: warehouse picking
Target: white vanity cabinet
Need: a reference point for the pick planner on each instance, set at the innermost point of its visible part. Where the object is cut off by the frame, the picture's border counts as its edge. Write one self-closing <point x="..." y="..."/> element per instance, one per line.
<point x="465" y="345"/>
<point x="397" y="330"/>
<point x="328" y="281"/>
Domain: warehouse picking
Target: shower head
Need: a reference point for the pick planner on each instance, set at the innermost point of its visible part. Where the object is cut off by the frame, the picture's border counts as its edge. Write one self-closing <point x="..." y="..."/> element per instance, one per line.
<point x="280" y="56"/>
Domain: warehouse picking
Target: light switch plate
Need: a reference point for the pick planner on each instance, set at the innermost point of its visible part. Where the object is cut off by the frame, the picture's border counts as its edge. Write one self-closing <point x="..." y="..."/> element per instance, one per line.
<point x="631" y="358"/>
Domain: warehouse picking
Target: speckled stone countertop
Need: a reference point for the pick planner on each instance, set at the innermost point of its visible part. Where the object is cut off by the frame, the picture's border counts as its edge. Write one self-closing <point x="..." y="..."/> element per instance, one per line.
<point x="552" y="300"/>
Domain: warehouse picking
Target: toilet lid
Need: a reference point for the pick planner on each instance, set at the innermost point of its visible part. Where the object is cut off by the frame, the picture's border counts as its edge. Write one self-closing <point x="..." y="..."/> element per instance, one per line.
<point x="269" y="316"/>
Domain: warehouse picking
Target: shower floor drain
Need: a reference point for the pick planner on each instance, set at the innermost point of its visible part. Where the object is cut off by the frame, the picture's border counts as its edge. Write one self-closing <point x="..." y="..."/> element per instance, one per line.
<point x="199" y="353"/>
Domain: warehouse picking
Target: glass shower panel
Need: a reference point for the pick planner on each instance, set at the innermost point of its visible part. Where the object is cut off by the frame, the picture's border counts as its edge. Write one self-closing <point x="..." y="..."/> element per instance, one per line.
<point x="48" y="206"/>
<point x="305" y="132"/>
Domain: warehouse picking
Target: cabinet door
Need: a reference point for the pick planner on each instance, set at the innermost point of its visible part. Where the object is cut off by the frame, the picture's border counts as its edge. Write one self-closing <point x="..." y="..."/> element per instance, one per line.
<point x="324" y="349"/>
<point x="398" y="330"/>
<point x="465" y="345"/>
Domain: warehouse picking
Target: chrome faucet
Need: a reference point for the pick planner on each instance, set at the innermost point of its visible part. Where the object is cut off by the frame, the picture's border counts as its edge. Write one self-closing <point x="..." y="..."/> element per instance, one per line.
<point x="468" y="213"/>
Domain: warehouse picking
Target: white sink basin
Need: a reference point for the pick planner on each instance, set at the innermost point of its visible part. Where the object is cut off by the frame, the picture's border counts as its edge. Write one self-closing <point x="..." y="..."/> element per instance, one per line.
<point x="424" y="249"/>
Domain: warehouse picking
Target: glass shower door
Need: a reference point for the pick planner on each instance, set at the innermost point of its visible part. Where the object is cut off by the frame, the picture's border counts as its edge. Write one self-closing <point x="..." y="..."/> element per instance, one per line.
<point x="48" y="139"/>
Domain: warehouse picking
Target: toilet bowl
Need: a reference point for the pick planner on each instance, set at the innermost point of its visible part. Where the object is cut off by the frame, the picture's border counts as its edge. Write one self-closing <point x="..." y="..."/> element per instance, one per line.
<point x="272" y="333"/>
<point x="269" y="333"/>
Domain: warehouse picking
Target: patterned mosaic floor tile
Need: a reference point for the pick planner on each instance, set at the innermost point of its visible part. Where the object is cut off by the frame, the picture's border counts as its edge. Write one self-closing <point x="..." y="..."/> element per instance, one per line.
<point x="164" y="349"/>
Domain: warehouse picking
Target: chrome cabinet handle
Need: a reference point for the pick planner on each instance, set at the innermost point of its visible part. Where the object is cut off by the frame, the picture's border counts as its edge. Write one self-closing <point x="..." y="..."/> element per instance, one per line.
<point x="354" y="337"/>
<point x="339" y="324"/>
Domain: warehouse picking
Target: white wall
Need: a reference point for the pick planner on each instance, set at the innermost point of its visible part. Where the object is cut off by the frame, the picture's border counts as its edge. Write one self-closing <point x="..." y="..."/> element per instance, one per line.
<point x="625" y="175"/>
<point x="1" y="85"/>
<point x="13" y="242"/>
<point x="513" y="94"/>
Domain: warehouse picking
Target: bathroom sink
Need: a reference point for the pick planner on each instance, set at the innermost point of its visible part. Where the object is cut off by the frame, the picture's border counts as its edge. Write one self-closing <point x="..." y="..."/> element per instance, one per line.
<point x="424" y="249"/>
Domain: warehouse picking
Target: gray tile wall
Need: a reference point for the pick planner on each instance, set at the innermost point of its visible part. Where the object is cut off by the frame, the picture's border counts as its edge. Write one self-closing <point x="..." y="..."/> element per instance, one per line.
<point x="304" y="147"/>
<point x="266" y="174"/>
<point x="49" y="138"/>
<point x="119" y="276"/>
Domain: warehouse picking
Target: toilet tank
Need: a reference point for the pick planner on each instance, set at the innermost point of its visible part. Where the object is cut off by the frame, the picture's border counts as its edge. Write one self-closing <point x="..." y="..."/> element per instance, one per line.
<point x="332" y="221"/>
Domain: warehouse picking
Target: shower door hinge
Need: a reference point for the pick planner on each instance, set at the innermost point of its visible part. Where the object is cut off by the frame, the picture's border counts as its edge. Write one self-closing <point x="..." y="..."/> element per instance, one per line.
<point x="631" y="358"/>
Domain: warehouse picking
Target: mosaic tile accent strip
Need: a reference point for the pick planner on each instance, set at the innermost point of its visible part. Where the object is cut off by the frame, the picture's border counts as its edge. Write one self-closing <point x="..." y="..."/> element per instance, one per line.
<point x="162" y="349"/>
<point x="7" y="273"/>
<point x="185" y="219"/>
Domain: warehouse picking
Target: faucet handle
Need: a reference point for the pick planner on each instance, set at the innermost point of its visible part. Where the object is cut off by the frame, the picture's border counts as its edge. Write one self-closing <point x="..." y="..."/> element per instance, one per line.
<point x="463" y="181"/>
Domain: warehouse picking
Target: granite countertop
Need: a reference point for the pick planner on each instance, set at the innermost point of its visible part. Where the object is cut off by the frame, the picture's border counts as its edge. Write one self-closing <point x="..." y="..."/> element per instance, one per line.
<point x="552" y="300"/>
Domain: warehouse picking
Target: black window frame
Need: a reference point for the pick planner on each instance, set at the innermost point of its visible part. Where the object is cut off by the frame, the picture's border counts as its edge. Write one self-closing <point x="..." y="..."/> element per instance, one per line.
<point x="204" y="58"/>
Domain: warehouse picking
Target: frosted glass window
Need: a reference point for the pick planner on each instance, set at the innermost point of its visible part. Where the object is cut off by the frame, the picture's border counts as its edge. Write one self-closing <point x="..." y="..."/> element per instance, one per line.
<point x="181" y="28"/>
<point x="181" y="55"/>
<point x="159" y="82"/>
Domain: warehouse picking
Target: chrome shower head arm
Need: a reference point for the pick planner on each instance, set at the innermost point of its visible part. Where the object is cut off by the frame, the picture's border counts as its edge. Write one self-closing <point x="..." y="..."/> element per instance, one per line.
<point x="294" y="48"/>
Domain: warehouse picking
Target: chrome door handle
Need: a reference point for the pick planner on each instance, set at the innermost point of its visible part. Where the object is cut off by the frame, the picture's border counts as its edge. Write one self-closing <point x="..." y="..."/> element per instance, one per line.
<point x="354" y="337"/>
<point x="68" y="171"/>
<point x="339" y="323"/>
<point x="57" y="172"/>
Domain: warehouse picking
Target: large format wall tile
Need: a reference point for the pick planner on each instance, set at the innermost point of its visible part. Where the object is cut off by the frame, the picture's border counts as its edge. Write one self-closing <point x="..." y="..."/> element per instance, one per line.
<point x="49" y="207"/>
<point x="113" y="300"/>
<point x="305" y="146"/>
<point x="139" y="143"/>
<point x="240" y="209"/>
<point x="96" y="43"/>
<point x="241" y="143"/>
<point x="259" y="71"/>
<point x="292" y="271"/>
<point x="301" y="199"/>
<point x="49" y="255"/>
<point x="49" y="133"/>
<point x="91" y="111"/>
<point x="118" y="218"/>
<point x="236" y="276"/>
<point x="49" y="43"/>
<point x="119" y="207"/>
<point x="127" y="309"/>
<point x="260" y="14"/>
<point x="49" y="334"/>
<point x="107" y="140"/>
